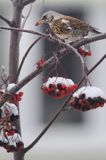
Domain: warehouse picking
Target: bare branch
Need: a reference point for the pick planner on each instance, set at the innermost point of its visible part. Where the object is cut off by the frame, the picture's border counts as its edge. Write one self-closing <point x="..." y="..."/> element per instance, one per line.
<point x="75" y="44"/>
<point x="70" y="47"/>
<point x="26" y="31"/>
<point x="60" y="109"/>
<point x="32" y="75"/>
<point x="51" y="60"/>
<point x="6" y="20"/>
<point x="25" y="56"/>
<point x="90" y="39"/>
<point x="26" y="17"/>
<point x="26" y="2"/>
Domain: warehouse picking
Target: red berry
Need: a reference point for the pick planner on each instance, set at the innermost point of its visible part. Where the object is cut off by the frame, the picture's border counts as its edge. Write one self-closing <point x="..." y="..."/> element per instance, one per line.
<point x="63" y="86"/>
<point x="63" y="92"/>
<point x="48" y="90"/>
<point x="20" y="94"/>
<point x="73" y="87"/>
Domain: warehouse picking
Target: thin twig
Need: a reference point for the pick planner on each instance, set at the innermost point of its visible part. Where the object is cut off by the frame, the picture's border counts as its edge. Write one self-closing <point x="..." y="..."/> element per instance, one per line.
<point x="76" y="44"/>
<point x="71" y="48"/>
<point x="90" y="39"/>
<point x="26" y="17"/>
<point x="25" y="20"/>
<point x="6" y="20"/>
<point x="60" y="109"/>
<point x="25" y="56"/>
<point x="32" y="75"/>
<point x="48" y="62"/>
<point x="28" y="78"/>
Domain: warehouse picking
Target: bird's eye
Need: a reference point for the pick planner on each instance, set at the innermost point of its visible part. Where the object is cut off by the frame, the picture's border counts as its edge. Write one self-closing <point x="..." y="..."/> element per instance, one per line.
<point x="44" y="17"/>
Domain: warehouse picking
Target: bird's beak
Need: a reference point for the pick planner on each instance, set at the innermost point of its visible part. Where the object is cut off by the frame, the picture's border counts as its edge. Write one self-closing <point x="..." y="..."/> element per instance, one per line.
<point x="39" y="22"/>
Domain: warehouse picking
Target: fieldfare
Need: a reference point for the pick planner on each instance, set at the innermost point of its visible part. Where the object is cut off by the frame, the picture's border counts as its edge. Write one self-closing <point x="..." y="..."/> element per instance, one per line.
<point x="67" y="28"/>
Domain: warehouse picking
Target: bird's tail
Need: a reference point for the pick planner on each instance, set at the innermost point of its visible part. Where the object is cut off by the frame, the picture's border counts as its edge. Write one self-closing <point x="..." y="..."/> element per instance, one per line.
<point x="94" y="30"/>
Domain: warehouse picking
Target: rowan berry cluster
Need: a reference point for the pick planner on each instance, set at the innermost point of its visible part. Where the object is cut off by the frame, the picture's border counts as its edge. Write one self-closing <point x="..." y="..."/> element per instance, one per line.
<point x="10" y="139"/>
<point x="87" y="98"/>
<point x="58" y="87"/>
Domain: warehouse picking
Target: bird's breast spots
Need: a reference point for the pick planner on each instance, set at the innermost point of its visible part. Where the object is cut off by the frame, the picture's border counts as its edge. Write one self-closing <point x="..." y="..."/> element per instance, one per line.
<point x="59" y="28"/>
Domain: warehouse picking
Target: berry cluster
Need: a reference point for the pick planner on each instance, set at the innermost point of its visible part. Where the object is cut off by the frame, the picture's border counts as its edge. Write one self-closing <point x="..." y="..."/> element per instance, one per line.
<point x="59" y="87"/>
<point x="87" y="98"/>
<point x="40" y="63"/>
<point x="8" y="112"/>
<point x="15" y="98"/>
<point x="83" y="52"/>
<point x="10" y="138"/>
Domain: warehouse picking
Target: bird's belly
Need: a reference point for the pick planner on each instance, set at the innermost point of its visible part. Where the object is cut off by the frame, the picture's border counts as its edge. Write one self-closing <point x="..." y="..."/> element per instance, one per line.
<point x="69" y="37"/>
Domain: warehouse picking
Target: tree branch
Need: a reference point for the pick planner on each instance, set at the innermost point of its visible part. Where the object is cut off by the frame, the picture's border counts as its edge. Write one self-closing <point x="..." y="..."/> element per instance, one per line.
<point x="25" y="56"/>
<point x="32" y="75"/>
<point x="26" y="2"/>
<point x="76" y="44"/>
<point x="70" y="47"/>
<point x="60" y="109"/>
<point x="51" y="60"/>
<point x="90" y="39"/>
<point x="26" y="17"/>
<point x="14" y="59"/>
<point x="6" y="20"/>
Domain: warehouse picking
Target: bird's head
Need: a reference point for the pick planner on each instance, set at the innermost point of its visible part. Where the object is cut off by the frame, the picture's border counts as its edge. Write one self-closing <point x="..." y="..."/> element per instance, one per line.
<point x="48" y="17"/>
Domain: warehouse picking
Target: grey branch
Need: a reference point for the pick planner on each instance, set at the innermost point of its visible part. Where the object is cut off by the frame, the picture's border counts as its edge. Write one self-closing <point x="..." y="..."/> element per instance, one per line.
<point x="70" y="47"/>
<point x="32" y="75"/>
<point x="60" y="109"/>
<point x="77" y="44"/>
<point x="6" y="20"/>
<point x="52" y="59"/>
<point x="26" y="17"/>
<point x="48" y="63"/>
<point x="25" y="56"/>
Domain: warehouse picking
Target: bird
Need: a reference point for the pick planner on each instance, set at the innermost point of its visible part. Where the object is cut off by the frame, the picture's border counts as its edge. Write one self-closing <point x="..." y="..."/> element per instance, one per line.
<point x="67" y="28"/>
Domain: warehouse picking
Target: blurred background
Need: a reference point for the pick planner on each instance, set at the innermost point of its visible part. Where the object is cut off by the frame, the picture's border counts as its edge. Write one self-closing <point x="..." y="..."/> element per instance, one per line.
<point x="74" y="135"/>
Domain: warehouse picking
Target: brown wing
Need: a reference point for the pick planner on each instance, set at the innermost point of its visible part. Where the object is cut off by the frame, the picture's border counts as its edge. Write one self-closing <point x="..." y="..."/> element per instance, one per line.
<point x="76" y="23"/>
<point x="60" y="27"/>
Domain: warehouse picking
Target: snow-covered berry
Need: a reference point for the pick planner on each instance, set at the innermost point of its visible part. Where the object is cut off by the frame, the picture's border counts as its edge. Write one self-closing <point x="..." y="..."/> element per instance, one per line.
<point x="87" y="98"/>
<point x="9" y="110"/>
<point x="16" y="97"/>
<point x="58" y="87"/>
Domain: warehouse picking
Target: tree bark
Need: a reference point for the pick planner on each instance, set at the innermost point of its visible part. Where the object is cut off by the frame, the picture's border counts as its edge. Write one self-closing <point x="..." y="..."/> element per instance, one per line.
<point x="14" y="43"/>
<point x="14" y="59"/>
